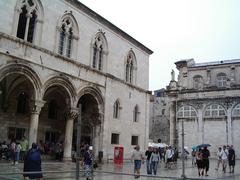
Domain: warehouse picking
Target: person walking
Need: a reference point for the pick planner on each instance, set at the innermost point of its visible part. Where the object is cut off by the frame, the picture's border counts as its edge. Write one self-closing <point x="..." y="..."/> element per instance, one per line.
<point x="148" y="154"/>
<point x="155" y="159"/>
<point x="224" y="157"/>
<point x="33" y="163"/>
<point x="88" y="162"/>
<point x="205" y="155"/>
<point x="169" y="156"/>
<point x="13" y="147"/>
<point x="17" y="152"/>
<point x="138" y="158"/>
<point x="231" y="159"/>
<point x="219" y="158"/>
<point x="199" y="161"/>
<point x="24" y="148"/>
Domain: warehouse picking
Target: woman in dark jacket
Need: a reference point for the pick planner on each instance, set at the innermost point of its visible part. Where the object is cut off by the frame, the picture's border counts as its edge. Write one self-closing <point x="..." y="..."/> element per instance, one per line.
<point x="32" y="163"/>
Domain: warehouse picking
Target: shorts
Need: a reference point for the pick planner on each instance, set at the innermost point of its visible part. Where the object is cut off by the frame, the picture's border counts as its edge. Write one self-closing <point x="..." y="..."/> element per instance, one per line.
<point x="137" y="164"/>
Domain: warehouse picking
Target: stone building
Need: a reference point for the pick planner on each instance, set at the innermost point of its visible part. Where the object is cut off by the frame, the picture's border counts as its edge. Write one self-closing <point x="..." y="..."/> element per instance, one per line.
<point x="159" y="117"/>
<point x="206" y="98"/>
<point x="56" y="55"/>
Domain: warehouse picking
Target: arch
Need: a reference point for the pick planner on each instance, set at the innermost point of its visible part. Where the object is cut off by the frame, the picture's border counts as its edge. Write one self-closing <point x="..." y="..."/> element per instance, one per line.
<point x="96" y="93"/>
<point x="214" y="110"/>
<point x="187" y="111"/>
<point x="136" y="113"/>
<point x="116" y="109"/>
<point x="65" y="84"/>
<point x="236" y="110"/>
<point x="26" y="71"/>
<point x="37" y="5"/>
<point x="130" y="67"/>
<point x="67" y="35"/>
<point x="73" y="22"/>
<point x="99" y="51"/>
<point x="28" y="20"/>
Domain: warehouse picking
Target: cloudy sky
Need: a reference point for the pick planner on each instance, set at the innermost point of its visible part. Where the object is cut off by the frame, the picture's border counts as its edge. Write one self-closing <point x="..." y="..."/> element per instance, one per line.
<point x="206" y="30"/>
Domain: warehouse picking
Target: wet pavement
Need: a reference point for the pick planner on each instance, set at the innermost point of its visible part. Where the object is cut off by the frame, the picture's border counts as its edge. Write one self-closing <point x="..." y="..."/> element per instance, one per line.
<point x="66" y="171"/>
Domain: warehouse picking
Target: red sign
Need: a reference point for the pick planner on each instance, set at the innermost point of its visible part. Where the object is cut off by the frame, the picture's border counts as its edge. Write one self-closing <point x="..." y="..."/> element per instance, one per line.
<point x="118" y="155"/>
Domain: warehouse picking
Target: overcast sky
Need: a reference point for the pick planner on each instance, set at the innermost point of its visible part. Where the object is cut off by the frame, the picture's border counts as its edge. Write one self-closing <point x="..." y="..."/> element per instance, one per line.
<point x="206" y="30"/>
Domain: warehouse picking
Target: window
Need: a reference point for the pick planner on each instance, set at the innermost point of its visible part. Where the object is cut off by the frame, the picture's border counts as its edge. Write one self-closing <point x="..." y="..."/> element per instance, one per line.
<point x="115" y="138"/>
<point x="116" y="109"/>
<point x="130" y="67"/>
<point x="236" y="111"/>
<point x="22" y="106"/>
<point x="51" y="136"/>
<point x="136" y="114"/>
<point x="52" y="110"/>
<point x="197" y="82"/>
<point x="29" y="16"/>
<point x="215" y="110"/>
<point x="186" y="112"/>
<point x="221" y="80"/>
<point x="16" y="133"/>
<point x="67" y="35"/>
<point x="99" y="51"/>
<point x="134" y="140"/>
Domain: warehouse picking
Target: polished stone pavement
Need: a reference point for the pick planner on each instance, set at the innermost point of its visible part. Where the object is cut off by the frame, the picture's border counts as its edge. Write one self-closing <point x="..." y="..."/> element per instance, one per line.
<point x="66" y="171"/>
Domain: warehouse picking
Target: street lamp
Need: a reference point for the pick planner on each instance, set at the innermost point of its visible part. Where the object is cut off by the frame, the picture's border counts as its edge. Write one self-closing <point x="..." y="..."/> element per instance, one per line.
<point x="183" y="160"/>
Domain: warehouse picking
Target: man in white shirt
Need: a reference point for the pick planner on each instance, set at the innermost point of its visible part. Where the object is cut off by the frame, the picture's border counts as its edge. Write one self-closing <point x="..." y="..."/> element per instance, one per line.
<point x="224" y="157"/>
<point x="169" y="156"/>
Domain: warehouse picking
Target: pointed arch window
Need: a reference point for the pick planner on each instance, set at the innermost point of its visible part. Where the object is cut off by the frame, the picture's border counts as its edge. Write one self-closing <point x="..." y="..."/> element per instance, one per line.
<point x="99" y="51"/>
<point x="22" y="105"/>
<point x="29" y="20"/>
<point x="67" y="36"/>
<point x="116" y="109"/>
<point x="136" y="114"/>
<point x="129" y="68"/>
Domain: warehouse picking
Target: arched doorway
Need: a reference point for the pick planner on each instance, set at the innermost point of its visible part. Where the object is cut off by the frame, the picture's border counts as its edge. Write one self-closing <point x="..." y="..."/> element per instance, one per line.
<point x="52" y="120"/>
<point x="17" y="92"/>
<point x="91" y="121"/>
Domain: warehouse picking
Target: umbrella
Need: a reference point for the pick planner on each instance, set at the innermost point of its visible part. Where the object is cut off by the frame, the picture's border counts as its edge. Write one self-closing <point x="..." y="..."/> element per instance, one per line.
<point x="194" y="147"/>
<point x="203" y="145"/>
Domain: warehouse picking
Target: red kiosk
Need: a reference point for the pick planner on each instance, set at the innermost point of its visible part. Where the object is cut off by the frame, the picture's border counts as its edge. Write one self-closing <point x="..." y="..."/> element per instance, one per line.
<point x="118" y="155"/>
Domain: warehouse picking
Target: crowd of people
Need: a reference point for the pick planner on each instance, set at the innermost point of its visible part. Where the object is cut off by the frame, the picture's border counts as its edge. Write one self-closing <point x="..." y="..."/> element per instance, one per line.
<point x="15" y="150"/>
<point x="225" y="156"/>
<point x="154" y="156"/>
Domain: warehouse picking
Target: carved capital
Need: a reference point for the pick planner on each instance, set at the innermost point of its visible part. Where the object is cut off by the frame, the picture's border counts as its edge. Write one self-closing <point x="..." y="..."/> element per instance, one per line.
<point x="72" y="113"/>
<point x="36" y="106"/>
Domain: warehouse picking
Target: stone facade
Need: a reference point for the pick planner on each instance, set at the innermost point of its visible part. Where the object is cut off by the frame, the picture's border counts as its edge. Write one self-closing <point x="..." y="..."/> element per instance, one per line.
<point x="60" y="56"/>
<point x="206" y="99"/>
<point x="159" y="117"/>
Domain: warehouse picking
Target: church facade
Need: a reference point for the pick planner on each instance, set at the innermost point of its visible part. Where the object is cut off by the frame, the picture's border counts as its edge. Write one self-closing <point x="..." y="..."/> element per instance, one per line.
<point x="205" y="101"/>
<point x="59" y="61"/>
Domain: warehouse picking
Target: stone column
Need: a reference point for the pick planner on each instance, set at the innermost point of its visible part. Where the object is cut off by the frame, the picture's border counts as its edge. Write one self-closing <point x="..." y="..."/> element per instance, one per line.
<point x="200" y="126"/>
<point x="173" y="124"/>
<point x="27" y="26"/>
<point x="70" y="116"/>
<point x="35" y="109"/>
<point x="229" y="127"/>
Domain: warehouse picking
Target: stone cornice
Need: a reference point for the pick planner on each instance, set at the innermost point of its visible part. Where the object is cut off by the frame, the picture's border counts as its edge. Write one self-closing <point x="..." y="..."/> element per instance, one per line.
<point x="88" y="68"/>
<point x="105" y="22"/>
